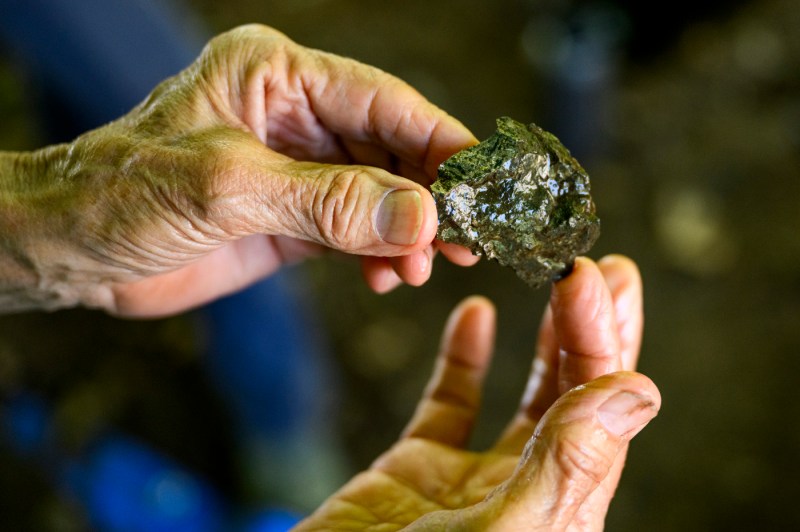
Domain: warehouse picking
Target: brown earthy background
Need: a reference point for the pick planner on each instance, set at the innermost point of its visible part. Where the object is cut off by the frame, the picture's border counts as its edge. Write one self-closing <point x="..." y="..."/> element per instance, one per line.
<point x="688" y="123"/>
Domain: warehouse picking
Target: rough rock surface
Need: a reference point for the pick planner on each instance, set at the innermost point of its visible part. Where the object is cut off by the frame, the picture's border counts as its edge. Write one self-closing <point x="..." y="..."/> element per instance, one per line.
<point x="519" y="198"/>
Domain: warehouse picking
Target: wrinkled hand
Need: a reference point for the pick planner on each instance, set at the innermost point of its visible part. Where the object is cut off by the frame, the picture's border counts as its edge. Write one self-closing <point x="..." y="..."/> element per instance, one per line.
<point x="261" y="153"/>
<point x="559" y="461"/>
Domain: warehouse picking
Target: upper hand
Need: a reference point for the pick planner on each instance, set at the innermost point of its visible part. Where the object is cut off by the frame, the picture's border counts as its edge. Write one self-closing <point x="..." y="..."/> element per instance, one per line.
<point x="557" y="464"/>
<point x="262" y="152"/>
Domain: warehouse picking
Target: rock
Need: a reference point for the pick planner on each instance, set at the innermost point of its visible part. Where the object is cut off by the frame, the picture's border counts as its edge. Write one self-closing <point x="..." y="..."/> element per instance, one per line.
<point x="519" y="198"/>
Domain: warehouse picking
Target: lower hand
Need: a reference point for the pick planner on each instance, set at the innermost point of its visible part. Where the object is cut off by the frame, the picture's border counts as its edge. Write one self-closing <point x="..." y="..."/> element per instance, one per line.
<point x="557" y="464"/>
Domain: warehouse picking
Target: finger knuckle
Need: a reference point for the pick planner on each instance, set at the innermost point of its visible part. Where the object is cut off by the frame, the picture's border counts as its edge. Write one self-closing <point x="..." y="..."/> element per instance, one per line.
<point x="245" y="33"/>
<point x="578" y="459"/>
<point x="340" y="208"/>
<point x="240" y="47"/>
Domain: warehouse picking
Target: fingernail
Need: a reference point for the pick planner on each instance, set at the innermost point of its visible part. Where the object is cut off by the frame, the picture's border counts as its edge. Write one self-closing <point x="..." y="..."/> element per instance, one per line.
<point x="625" y="412"/>
<point x="614" y="276"/>
<point x="563" y="274"/>
<point x="424" y="263"/>
<point x="400" y="217"/>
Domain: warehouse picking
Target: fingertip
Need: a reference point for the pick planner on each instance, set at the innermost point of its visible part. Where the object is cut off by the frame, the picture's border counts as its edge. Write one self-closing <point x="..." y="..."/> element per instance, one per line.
<point x="619" y="272"/>
<point x="478" y="304"/>
<point x="474" y="308"/>
<point x="584" y="286"/>
<point x="379" y="274"/>
<point x="617" y="258"/>
<point x="580" y="267"/>
<point x="563" y="274"/>
<point x="400" y="217"/>
<point x="637" y="383"/>
<point x="448" y="136"/>
<point x="414" y="269"/>
<point x="469" y="333"/>
<point x="430" y="219"/>
<point x="456" y="254"/>
<point x="407" y="218"/>
<point x="469" y="307"/>
<point x="633" y="402"/>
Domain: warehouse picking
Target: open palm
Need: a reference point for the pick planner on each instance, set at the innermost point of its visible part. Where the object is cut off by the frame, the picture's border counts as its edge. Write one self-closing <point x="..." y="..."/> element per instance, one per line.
<point x="557" y="464"/>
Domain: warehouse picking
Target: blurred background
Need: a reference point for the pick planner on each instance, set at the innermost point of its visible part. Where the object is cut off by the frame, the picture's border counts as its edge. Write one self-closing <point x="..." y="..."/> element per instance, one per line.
<point x="687" y="118"/>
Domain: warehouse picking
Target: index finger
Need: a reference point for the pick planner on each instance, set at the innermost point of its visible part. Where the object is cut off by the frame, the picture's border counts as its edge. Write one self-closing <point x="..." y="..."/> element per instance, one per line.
<point x="448" y="409"/>
<point x="365" y="104"/>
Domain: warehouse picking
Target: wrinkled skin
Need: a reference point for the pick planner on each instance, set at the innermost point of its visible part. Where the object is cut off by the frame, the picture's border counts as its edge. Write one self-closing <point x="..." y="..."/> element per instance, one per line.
<point x="253" y="158"/>
<point x="557" y="464"/>
<point x="260" y="154"/>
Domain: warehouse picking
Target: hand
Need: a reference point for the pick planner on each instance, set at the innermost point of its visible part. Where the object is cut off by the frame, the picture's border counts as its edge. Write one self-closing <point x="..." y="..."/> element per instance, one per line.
<point x="558" y="463"/>
<point x="248" y="160"/>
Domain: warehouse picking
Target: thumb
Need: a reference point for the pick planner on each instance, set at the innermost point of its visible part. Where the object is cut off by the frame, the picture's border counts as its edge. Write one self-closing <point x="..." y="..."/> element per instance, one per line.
<point x="354" y="209"/>
<point x="573" y="449"/>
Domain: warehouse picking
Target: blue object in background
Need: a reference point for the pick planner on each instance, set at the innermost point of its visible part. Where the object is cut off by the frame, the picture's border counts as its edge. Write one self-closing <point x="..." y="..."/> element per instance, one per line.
<point x="123" y="484"/>
<point x="101" y="58"/>
<point x="271" y="520"/>
<point x="268" y="357"/>
<point x="25" y="421"/>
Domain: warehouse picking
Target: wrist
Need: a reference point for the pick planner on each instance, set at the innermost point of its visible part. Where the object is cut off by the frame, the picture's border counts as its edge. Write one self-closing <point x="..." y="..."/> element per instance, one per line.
<point x="30" y="230"/>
